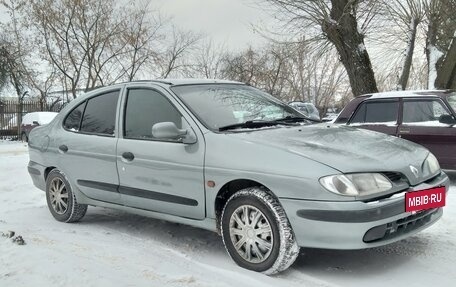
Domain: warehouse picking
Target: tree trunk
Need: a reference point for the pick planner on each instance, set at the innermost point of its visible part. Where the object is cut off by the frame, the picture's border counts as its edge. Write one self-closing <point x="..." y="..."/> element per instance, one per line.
<point x="431" y="50"/>
<point x="42" y="100"/>
<point x="441" y="45"/>
<point x="446" y="72"/>
<point x="342" y="31"/>
<point x="409" y="55"/>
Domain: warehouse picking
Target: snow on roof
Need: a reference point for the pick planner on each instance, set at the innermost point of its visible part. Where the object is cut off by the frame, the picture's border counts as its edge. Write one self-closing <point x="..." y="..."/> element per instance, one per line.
<point x="405" y="94"/>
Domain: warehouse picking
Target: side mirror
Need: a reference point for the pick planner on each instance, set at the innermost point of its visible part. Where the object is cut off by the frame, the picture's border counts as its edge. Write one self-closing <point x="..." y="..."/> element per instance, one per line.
<point x="168" y="130"/>
<point x="36" y="123"/>
<point x="447" y="119"/>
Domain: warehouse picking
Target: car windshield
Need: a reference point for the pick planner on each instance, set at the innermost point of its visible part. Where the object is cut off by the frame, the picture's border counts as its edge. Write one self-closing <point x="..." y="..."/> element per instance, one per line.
<point x="452" y="101"/>
<point x="223" y="106"/>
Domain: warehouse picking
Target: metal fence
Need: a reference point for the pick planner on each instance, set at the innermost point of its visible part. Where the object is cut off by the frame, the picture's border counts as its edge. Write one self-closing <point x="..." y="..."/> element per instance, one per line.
<point x="12" y="112"/>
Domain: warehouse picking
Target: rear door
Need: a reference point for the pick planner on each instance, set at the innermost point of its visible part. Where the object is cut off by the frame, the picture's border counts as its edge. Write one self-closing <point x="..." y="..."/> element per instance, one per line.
<point x="87" y="147"/>
<point x="379" y="115"/>
<point x="420" y="124"/>
<point x="162" y="175"/>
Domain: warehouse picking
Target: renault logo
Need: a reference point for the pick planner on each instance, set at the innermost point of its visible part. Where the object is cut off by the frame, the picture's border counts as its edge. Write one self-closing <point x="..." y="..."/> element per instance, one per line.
<point x="414" y="171"/>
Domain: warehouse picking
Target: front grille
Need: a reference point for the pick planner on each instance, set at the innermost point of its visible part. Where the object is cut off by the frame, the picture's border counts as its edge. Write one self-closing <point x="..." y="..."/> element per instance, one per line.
<point x="399" y="227"/>
<point x="394" y="176"/>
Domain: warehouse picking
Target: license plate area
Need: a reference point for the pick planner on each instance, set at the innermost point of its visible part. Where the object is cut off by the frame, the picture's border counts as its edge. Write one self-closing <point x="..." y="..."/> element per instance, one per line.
<point x="425" y="199"/>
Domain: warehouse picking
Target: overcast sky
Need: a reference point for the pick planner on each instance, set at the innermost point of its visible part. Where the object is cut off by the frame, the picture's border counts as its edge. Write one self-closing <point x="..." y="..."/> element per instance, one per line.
<point x="228" y="21"/>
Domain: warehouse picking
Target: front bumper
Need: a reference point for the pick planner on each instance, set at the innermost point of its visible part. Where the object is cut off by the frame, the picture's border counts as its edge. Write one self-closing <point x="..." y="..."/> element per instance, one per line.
<point x="358" y="224"/>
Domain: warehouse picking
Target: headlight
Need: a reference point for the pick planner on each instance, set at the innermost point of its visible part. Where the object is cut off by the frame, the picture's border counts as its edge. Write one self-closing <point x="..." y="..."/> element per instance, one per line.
<point x="356" y="184"/>
<point x="431" y="165"/>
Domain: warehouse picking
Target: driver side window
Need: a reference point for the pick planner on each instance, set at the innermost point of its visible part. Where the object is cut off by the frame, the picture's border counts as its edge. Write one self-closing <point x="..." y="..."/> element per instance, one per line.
<point x="144" y="108"/>
<point x="423" y="112"/>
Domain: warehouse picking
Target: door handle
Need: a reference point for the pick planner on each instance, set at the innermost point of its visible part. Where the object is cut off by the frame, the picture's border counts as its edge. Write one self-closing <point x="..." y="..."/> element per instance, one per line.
<point x="404" y="131"/>
<point x="128" y="156"/>
<point x="63" y="148"/>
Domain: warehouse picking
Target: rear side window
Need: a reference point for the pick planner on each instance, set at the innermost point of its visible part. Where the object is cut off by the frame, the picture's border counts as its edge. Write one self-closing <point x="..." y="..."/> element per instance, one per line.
<point x="100" y="114"/>
<point x="376" y="112"/>
<point x="96" y="115"/>
<point x="73" y="120"/>
<point x="145" y="108"/>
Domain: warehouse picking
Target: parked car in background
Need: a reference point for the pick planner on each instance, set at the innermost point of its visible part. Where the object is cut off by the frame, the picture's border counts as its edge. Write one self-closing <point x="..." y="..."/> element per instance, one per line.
<point x="176" y="150"/>
<point x="329" y="117"/>
<point x="32" y="120"/>
<point x="308" y="109"/>
<point x="424" y="117"/>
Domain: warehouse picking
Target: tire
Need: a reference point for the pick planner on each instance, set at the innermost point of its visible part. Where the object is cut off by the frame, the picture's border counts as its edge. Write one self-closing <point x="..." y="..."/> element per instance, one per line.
<point x="24" y="137"/>
<point x="61" y="200"/>
<point x="267" y="244"/>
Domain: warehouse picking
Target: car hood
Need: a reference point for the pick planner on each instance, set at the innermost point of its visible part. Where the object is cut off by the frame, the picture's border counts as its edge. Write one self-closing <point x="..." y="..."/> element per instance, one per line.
<point x="343" y="148"/>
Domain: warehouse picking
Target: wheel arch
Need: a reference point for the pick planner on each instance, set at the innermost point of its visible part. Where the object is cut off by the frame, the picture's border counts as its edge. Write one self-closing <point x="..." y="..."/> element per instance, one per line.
<point x="47" y="170"/>
<point x="230" y="188"/>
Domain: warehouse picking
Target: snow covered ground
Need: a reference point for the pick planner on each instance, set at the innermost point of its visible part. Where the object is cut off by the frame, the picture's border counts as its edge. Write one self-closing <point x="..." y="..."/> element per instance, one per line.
<point x="113" y="248"/>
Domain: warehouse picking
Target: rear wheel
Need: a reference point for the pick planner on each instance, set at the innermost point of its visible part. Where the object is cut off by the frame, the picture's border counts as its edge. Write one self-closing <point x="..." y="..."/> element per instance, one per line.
<point x="61" y="200"/>
<point x="256" y="232"/>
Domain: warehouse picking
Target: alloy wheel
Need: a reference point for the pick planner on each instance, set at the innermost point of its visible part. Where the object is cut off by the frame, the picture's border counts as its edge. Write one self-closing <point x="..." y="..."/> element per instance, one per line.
<point x="251" y="234"/>
<point x="58" y="196"/>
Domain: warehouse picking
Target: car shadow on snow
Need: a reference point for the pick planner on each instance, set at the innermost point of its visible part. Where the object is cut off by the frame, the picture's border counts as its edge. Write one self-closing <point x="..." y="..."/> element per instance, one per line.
<point x="362" y="264"/>
<point x="180" y="237"/>
<point x="206" y="245"/>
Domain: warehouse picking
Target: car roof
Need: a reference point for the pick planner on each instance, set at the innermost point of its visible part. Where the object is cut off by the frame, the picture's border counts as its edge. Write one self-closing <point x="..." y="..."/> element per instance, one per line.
<point x="406" y="94"/>
<point x="164" y="82"/>
<point x="161" y="82"/>
<point x="177" y="82"/>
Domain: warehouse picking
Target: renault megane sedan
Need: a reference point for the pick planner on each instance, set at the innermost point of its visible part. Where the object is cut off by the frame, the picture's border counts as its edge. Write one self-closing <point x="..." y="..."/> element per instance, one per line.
<point x="228" y="157"/>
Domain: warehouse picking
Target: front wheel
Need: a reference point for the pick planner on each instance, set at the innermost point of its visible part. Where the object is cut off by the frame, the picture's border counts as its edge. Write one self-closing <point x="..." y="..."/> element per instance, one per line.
<point x="256" y="232"/>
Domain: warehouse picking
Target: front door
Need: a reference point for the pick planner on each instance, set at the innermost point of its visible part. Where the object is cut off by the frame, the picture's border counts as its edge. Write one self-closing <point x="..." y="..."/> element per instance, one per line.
<point x="163" y="175"/>
<point x="420" y="124"/>
<point x="378" y="115"/>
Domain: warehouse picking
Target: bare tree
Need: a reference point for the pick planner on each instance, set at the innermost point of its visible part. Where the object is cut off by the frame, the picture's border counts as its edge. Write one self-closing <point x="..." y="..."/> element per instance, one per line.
<point x="338" y="21"/>
<point x="94" y="43"/>
<point x="142" y="35"/>
<point x="12" y="70"/>
<point x="316" y="77"/>
<point x="12" y="58"/>
<point x="406" y="15"/>
<point x="291" y="72"/>
<point x="55" y="23"/>
<point x="242" y="66"/>
<point x="208" y="60"/>
<point x="173" y="59"/>
<point x="32" y="77"/>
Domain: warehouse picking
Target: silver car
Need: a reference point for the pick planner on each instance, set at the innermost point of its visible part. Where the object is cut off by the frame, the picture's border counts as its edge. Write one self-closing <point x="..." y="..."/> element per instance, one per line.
<point x="227" y="157"/>
<point x="308" y="109"/>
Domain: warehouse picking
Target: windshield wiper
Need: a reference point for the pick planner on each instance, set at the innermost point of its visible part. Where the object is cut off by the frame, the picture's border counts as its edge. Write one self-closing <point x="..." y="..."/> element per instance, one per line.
<point x="291" y="119"/>
<point x="288" y="120"/>
<point x="297" y="119"/>
<point x="250" y="125"/>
